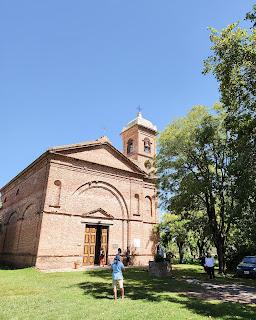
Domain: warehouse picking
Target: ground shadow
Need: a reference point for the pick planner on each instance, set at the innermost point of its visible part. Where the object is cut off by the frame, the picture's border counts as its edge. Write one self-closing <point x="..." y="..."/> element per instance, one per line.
<point x="140" y="286"/>
<point x="10" y="267"/>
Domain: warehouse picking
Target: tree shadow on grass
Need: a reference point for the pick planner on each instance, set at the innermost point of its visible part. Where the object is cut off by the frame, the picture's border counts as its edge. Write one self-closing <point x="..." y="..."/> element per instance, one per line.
<point x="140" y="286"/>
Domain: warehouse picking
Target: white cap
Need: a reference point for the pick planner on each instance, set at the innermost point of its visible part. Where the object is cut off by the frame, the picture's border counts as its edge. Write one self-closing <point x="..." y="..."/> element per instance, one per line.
<point x="139" y="120"/>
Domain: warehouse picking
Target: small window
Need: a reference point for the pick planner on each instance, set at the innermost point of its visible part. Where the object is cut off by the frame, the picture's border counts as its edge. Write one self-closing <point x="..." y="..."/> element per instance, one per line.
<point x="147" y="145"/>
<point x="17" y="192"/>
<point x="57" y="183"/>
<point x="5" y="199"/>
<point x="137" y="210"/>
<point x="149" y="208"/>
<point x="55" y="194"/>
<point x="130" y="146"/>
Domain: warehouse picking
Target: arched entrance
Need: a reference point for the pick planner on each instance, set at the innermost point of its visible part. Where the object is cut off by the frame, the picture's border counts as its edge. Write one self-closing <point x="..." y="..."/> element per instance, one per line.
<point x="105" y="214"/>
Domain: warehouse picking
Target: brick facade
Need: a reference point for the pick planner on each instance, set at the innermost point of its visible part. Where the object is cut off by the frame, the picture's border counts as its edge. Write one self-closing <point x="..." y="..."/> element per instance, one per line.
<point x="47" y="207"/>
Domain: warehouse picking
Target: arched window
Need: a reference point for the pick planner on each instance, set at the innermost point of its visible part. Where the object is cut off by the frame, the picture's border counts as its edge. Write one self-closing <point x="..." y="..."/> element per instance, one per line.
<point x="149" y="208"/>
<point x="11" y="235"/>
<point x="137" y="211"/>
<point x="130" y="146"/>
<point x="147" y="145"/>
<point x="55" y="194"/>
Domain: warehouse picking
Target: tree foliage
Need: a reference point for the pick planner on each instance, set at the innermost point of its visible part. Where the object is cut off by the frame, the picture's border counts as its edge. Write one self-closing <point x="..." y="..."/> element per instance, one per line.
<point x="193" y="169"/>
<point x="174" y="229"/>
<point x="207" y="160"/>
<point x="233" y="63"/>
<point x="188" y="232"/>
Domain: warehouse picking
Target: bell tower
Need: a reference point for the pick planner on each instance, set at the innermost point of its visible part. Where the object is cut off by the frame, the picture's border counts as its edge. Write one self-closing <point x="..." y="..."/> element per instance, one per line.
<point x="139" y="142"/>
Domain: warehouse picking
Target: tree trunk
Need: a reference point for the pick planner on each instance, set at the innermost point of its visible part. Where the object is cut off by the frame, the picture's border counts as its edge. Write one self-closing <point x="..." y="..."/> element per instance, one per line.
<point x="218" y="237"/>
<point x="200" y="248"/>
<point x="220" y="246"/>
<point x="181" y="253"/>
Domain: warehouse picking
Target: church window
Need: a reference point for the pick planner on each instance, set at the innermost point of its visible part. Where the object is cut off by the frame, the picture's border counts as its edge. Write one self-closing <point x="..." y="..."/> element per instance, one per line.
<point x="147" y="145"/>
<point x="148" y="164"/>
<point x="56" y="192"/>
<point x="130" y="146"/>
<point x="17" y="192"/>
<point x="137" y="208"/>
<point x="149" y="210"/>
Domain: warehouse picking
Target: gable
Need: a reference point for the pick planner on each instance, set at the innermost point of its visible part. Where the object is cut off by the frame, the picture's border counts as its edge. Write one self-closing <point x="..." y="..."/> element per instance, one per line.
<point x="102" y="154"/>
<point x="98" y="213"/>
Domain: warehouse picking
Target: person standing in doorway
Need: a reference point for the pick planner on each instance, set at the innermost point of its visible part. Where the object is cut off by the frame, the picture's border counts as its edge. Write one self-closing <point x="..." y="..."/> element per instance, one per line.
<point x="102" y="257"/>
<point x="209" y="265"/>
<point x="117" y="276"/>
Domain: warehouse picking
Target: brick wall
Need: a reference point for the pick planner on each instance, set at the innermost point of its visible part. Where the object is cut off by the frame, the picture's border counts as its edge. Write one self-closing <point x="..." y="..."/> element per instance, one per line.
<point x="21" y="215"/>
<point x="46" y="208"/>
<point x="86" y="187"/>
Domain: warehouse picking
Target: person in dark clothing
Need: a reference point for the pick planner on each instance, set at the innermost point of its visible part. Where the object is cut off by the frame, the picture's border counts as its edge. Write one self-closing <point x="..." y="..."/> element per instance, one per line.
<point x="202" y="262"/>
<point x="127" y="256"/>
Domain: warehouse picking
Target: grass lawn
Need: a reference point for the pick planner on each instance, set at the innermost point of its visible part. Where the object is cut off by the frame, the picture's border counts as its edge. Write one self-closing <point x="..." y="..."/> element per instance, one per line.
<point x="30" y="294"/>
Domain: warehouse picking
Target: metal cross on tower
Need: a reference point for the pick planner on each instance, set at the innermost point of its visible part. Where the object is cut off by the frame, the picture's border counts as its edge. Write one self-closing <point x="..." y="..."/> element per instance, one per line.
<point x="139" y="109"/>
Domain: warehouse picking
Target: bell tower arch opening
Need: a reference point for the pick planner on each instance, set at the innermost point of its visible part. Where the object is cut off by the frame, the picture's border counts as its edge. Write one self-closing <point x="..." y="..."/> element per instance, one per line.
<point x="139" y="142"/>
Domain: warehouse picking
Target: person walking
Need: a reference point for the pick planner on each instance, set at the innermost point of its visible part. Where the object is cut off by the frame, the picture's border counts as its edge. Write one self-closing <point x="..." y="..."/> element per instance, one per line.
<point x="209" y="265"/>
<point x="117" y="276"/>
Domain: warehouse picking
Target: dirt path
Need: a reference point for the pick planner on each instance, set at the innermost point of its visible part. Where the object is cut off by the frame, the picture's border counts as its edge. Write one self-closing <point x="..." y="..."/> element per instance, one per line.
<point x="224" y="292"/>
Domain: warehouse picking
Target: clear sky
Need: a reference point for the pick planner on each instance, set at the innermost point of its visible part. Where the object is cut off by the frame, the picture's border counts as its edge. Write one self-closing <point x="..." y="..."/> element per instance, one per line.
<point x="72" y="71"/>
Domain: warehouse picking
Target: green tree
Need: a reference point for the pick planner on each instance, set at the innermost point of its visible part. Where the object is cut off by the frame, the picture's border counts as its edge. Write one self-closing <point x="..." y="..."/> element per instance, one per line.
<point x="199" y="232"/>
<point x="193" y="169"/>
<point x="174" y="230"/>
<point x="251" y="16"/>
<point x="186" y="231"/>
<point x="233" y="63"/>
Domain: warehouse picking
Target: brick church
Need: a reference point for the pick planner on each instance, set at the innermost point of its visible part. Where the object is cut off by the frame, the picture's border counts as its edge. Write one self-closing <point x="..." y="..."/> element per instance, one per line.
<point x="76" y="199"/>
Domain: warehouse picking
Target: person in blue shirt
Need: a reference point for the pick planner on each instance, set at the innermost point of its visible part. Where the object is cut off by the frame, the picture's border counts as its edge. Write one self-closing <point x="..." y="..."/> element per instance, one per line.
<point x="117" y="276"/>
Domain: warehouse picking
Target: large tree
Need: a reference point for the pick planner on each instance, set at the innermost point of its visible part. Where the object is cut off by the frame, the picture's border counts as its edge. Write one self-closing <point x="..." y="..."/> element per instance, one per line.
<point x="233" y="63"/>
<point x="174" y="230"/>
<point x="186" y="231"/>
<point x="193" y="169"/>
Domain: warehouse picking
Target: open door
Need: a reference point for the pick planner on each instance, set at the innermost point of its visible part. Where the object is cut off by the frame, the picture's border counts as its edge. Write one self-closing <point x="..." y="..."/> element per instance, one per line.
<point x="104" y="242"/>
<point x="89" y="245"/>
<point x="96" y="237"/>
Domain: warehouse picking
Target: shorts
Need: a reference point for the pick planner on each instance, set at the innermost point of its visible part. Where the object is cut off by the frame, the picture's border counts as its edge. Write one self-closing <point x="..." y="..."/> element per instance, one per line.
<point x="120" y="282"/>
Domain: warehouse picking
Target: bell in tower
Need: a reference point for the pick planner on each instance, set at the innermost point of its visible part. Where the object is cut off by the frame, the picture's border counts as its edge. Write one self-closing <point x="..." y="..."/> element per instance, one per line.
<point x="139" y="142"/>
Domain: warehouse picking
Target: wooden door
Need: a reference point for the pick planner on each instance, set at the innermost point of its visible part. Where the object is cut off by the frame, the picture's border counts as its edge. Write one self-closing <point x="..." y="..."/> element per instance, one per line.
<point x="89" y="245"/>
<point x="104" y="242"/>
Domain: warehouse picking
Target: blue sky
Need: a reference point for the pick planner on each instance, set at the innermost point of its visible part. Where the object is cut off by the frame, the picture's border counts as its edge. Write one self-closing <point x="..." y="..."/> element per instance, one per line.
<point x="72" y="71"/>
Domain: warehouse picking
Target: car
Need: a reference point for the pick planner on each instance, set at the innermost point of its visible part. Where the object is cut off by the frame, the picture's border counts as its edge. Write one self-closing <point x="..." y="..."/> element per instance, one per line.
<point x="247" y="267"/>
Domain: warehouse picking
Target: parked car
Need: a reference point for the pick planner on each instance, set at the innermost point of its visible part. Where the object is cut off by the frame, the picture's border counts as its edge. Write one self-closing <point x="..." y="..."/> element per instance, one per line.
<point x="247" y="267"/>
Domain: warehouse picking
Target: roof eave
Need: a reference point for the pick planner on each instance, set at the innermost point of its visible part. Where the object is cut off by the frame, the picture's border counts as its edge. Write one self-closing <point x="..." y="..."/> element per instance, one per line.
<point x="25" y="170"/>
